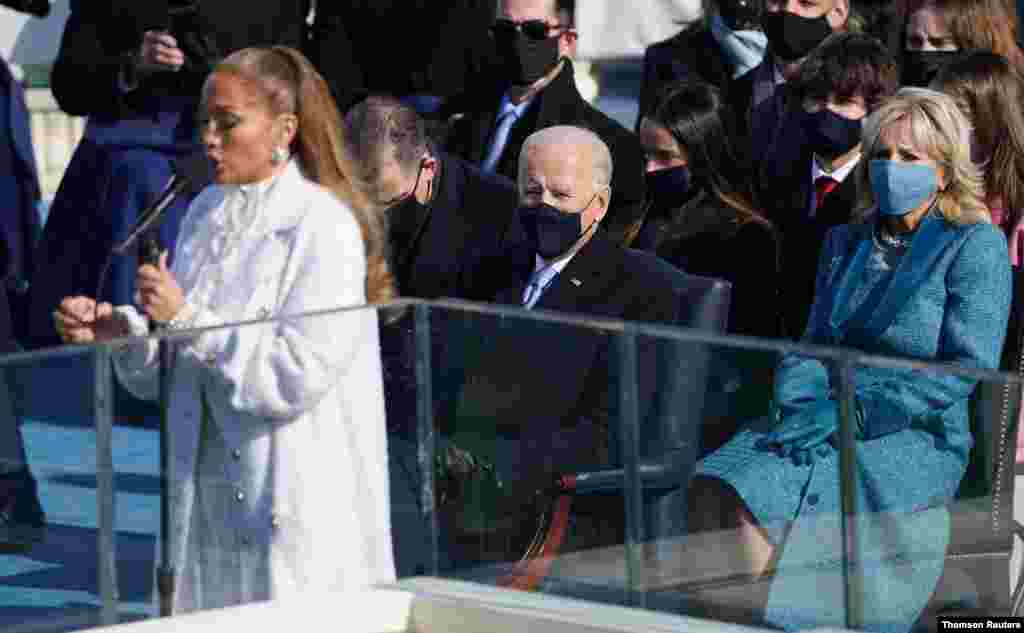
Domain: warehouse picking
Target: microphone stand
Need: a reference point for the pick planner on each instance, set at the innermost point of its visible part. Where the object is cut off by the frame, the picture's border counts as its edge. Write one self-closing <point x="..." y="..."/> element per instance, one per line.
<point x="166" y="575"/>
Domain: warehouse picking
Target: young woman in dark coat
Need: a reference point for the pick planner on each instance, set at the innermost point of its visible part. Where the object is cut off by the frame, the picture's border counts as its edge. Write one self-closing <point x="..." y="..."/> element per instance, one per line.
<point x="701" y="215"/>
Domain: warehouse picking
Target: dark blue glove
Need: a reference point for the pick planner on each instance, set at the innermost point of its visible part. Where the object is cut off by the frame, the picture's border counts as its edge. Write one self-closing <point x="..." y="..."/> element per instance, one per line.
<point x="804" y="435"/>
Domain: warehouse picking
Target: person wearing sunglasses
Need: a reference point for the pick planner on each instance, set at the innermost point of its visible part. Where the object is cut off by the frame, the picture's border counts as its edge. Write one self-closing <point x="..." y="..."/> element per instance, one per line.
<point x="534" y="88"/>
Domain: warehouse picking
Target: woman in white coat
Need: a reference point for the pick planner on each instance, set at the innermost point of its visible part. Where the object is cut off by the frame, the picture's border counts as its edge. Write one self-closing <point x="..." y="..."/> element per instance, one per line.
<point x="278" y="449"/>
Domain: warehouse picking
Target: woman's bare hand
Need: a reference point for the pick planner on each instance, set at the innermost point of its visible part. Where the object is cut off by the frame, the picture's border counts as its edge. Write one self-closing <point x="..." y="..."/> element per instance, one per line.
<point x="83" y="320"/>
<point x="158" y="293"/>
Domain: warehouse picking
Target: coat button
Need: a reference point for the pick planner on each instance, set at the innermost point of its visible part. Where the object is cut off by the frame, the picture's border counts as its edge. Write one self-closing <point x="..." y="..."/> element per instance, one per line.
<point x="812" y="499"/>
<point x="275" y="522"/>
<point x="239" y="496"/>
<point x="236" y="454"/>
<point x="246" y="540"/>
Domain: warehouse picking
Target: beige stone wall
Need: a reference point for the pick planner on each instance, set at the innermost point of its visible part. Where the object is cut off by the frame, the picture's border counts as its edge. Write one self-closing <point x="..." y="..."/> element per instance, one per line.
<point x="54" y="136"/>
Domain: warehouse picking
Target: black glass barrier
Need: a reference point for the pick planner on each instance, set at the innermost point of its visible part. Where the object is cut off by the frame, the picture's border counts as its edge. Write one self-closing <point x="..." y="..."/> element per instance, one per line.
<point x="670" y="469"/>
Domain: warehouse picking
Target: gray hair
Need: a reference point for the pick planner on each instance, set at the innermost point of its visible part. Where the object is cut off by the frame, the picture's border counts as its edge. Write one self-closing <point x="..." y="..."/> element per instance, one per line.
<point x="600" y="155"/>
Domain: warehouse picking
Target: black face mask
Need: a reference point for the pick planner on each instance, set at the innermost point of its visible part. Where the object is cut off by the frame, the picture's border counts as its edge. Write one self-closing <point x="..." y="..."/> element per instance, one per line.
<point x="829" y="134"/>
<point x="669" y="189"/>
<point x="920" y="67"/>
<point x="404" y="217"/>
<point x="525" y="60"/>
<point x="550" y="231"/>
<point x="791" y="36"/>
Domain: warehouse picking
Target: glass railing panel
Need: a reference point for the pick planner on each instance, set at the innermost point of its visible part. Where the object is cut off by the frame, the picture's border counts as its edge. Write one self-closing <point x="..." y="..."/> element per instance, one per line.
<point x="535" y="451"/>
<point x="58" y="573"/>
<point x="930" y="481"/>
<point x="521" y="403"/>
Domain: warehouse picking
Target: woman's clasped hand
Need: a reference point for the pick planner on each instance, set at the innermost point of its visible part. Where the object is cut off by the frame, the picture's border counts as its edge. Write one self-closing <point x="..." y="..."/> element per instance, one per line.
<point x="83" y="320"/>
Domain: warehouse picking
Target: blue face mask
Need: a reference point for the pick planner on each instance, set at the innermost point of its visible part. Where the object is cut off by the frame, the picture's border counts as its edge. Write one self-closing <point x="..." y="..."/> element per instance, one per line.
<point x="744" y="49"/>
<point x="900" y="188"/>
<point x="669" y="188"/>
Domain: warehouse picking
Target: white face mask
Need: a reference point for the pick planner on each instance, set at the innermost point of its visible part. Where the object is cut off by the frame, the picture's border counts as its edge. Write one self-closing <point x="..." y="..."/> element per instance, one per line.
<point x="743" y="49"/>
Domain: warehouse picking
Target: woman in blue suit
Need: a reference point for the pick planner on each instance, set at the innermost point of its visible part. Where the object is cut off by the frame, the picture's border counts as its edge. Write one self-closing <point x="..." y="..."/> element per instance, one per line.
<point x="925" y="275"/>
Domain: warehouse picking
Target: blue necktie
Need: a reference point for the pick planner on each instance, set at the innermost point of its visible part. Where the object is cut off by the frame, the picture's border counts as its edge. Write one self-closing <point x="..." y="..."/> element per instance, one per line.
<point x="505" y="122"/>
<point x="539" y="282"/>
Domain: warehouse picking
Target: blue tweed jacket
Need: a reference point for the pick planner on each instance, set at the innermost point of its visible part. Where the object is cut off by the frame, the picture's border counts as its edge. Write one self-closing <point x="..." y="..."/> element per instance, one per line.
<point x="947" y="301"/>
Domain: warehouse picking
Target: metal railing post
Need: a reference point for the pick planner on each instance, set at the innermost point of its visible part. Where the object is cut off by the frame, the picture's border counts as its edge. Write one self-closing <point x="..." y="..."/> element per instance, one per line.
<point x="425" y="438"/>
<point x="629" y="438"/>
<point x="106" y="545"/>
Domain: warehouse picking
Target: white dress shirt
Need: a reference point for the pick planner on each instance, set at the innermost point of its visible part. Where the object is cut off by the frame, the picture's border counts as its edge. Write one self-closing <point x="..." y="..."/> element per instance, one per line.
<point x="839" y="175"/>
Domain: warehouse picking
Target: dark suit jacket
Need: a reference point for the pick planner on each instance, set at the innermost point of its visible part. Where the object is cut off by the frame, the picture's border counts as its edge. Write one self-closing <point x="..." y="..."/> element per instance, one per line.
<point x="19" y="191"/>
<point x="99" y="37"/>
<point x="469" y="244"/>
<point x="788" y="200"/>
<point x="693" y="53"/>
<point x="559" y="103"/>
<point x="552" y="385"/>
<point x="759" y="130"/>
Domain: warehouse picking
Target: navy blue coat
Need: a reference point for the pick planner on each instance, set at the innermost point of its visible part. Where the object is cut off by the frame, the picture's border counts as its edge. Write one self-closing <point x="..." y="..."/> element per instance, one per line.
<point x="468" y="244"/>
<point x="948" y="301"/>
<point x="124" y="160"/>
<point x="693" y="53"/>
<point x="19" y="194"/>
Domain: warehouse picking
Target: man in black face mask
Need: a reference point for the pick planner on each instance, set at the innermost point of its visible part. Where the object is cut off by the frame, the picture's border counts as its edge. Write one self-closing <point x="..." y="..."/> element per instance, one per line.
<point x="535" y="89"/>
<point x="449" y="223"/>
<point x="793" y="29"/>
<point x="452" y="233"/>
<point x="544" y="389"/>
<point x="812" y="188"/>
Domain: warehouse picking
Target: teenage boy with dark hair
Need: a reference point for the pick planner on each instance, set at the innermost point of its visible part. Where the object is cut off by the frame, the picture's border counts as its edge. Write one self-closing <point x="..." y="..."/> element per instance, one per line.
<point x="806" y="187"/>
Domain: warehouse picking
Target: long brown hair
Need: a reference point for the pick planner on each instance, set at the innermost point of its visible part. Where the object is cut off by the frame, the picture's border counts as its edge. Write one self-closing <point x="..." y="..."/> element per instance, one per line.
<point x="990" y="92"/>
<point x="988" y="25"/>
<point x="292" y="85"/>
<point x="697" y="117"/>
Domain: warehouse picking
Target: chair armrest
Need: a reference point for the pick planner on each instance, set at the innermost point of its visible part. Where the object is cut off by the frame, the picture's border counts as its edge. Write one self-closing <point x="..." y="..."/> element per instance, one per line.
<point x="668" y="472"/>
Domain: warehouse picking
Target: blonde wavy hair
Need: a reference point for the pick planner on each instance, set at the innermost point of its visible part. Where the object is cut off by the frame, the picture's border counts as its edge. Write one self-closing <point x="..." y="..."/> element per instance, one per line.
<point x="292" y="85"/>
<point x="940" y="131"/>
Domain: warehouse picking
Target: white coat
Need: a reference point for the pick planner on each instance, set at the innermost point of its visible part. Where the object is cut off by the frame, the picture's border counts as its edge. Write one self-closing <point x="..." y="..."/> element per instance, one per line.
<point x="286" y="490"/>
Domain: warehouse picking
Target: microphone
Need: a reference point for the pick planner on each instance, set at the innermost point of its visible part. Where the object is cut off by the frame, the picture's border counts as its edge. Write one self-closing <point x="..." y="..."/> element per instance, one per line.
<point x="191" y="174"/>
<point x="38" y="8"/>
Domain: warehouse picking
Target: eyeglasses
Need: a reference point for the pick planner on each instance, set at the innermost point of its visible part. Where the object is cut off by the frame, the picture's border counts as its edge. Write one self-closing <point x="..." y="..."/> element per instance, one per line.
<point x="536" y="30"/>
